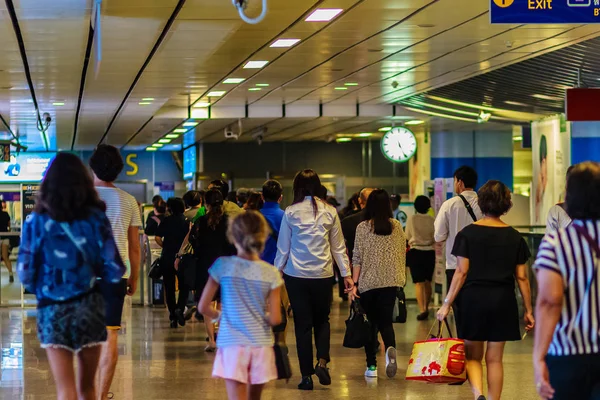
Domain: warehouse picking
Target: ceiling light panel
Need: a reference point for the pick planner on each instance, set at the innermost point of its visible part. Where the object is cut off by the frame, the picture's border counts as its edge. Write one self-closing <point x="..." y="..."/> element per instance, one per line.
<point x="234" y="80"/>
<point x="216" y="93"/>
<point x="255" y="64"/>
<point x="324" y="14"/>
<point x="284" y="42"/>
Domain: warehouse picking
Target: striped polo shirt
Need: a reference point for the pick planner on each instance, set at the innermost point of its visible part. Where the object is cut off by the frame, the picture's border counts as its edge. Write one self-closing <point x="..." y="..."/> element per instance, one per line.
<point x="245" y="287"/>
<point x="568" y="253"/>
<point x="122" y="211"/>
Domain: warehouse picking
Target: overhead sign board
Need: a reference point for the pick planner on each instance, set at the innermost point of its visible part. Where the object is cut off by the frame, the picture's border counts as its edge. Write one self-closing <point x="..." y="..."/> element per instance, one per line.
<point x="545" y="11"/>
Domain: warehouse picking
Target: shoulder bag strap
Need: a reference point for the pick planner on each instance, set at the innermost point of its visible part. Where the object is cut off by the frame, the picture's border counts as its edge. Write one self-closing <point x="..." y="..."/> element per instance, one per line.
<point x="469" y="208"/>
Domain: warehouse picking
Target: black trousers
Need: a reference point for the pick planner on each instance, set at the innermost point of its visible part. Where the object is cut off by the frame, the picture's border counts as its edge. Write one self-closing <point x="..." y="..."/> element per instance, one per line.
<point x="311" y="302"/>
<point x="379" y="307"/>
<point x="167" y="263"/>
<point x="575" y="377"/>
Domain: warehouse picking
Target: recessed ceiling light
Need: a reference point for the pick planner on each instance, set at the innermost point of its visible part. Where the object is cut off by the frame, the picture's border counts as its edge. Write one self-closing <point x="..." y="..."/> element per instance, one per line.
<point x="515" y="103"/>
<point x="255" y="64"/>
<point x="144" y="103"/>
<point x="517" y="138"/>
<point x="341" y="88"/>
<point x="324" y="14"/>
<point x="203" y="104"/>
<point x="165" y="140"/>
<point x="262" y="84"/>
<point x="284" y="42"/>
<point x="22" y="101"/>
<point x="385" y="129"/>
<point x="254" y="89"/>
<point x="550" y="98"/>
<point x="157" y="145"/>
<point x="190" y="123"/>
<point x="365" y="134"/>
<point x="58" y="103"/>
<point x="151" y="149"/>
<point x="351" y="84"/>
<point x="148" y="99"/>
<point x="234" y="80"/>
<point x="216" y="93"/>
<point x="343" y="139"/>
<point x="180" y="130"/>
<point x="415" y="122"/>
<point x="172" y="136"/>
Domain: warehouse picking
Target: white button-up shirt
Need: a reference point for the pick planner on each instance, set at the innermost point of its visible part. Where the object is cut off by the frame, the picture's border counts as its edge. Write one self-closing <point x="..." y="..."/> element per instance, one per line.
<point x="557" y="218"/>
<point x="451" y="219"/>
<point x="307" y="242"/>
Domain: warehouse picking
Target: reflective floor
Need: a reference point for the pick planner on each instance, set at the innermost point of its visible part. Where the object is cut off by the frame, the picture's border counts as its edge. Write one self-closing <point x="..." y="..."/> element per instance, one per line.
<point x="159" y="363"/>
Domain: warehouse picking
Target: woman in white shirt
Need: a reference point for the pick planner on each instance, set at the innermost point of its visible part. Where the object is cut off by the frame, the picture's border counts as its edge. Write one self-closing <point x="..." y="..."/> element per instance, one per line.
<point x="420" y="233"/>
<point x="309" y="238"/>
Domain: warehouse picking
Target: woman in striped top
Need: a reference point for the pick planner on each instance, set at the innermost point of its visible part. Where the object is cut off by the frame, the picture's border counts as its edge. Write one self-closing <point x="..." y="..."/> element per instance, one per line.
<point x="567" y="342"/>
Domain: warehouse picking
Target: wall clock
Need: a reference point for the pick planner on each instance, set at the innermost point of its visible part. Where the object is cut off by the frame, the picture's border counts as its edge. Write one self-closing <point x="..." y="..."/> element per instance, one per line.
<point x="399" y="145"/>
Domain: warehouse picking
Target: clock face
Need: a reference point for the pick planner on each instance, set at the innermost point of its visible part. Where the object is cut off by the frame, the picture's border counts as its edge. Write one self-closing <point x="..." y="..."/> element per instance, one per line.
<point x="399" y="145"/>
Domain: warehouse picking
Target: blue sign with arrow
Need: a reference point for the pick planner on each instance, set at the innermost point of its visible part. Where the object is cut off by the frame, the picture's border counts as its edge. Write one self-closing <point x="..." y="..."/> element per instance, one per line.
<point x="545" y="11"/>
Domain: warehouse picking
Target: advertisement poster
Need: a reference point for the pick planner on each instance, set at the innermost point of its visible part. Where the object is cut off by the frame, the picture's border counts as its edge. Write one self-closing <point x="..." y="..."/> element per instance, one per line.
<point x="419" y="166"/>
<point x="25" y="167"/>
<point x="28" y="195"/>
<point x="551" y="158"/>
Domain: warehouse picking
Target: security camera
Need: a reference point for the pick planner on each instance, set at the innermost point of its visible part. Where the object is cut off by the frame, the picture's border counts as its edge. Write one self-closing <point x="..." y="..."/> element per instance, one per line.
<point x="229" y="134"/>
<point x="395" y="84"/>
<point x="47" y="118"/>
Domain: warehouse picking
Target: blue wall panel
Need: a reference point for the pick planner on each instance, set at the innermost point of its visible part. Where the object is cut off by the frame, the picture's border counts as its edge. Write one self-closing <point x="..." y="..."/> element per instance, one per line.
<point x="500" y="168"/>
<point x="585" y="149"/>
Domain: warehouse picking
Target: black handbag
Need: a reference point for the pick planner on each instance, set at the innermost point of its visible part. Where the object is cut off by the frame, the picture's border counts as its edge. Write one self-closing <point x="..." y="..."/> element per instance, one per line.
<point x="282" y="361"/>
<point x="155" y="271"/>
<point x="281" y="327"/>
<point x="401" y="304"/>
<point x="358" y="327"/>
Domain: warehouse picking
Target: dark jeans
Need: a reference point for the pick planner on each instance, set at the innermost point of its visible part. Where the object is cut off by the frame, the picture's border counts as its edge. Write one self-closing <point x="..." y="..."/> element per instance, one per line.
<point x="167" y="265"/>
<point x="379" y="307"/>
<point x="311" y="303"/>
<point x="575" y="377"/>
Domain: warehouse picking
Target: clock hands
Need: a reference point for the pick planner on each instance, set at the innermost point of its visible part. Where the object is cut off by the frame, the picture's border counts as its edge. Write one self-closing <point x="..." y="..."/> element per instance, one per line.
<point x="402" y="150"/>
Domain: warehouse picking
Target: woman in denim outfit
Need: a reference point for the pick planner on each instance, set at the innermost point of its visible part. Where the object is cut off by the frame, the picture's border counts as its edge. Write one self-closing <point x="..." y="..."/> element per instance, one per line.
<point x="67" y="244"/>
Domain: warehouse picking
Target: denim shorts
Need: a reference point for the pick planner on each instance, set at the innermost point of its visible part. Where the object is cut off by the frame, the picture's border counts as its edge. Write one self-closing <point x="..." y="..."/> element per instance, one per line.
<point x="73" y="325"/>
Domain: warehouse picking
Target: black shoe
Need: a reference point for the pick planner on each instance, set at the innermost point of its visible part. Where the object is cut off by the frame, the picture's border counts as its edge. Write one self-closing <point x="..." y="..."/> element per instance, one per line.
<point x="423" y="316"/>
<point x="180" y="317"/>
<point x="199" y="317"/>
<point x="482" y="397"/>
<point x="173" y="324"/>
<point x="189" y="313"/>
<point x="306" y="384"/>
<point x="323" y="375"/>
<point x="11" y="279"/>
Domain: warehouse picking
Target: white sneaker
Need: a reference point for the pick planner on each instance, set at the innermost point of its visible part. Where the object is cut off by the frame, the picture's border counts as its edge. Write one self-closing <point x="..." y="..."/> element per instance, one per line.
<point x="371" y="372"/>
<point x="391" y="367"/>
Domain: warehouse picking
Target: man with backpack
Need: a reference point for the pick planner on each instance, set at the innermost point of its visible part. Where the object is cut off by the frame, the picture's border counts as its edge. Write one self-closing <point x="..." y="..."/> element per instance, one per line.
<point x="272" y="194"/>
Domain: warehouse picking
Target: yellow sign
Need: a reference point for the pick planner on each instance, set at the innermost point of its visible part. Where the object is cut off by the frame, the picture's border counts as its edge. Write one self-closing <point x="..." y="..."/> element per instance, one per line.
<point x="503" y="3"/>
<point x="130" y="162"/>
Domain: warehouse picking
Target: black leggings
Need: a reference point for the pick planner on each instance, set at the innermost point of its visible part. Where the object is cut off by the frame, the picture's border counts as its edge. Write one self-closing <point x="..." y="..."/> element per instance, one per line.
<point x="167" y="264"/>
<point x="379" y="307"/>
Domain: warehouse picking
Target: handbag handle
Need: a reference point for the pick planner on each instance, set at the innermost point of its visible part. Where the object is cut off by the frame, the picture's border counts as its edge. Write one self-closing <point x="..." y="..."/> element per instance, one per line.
<point x="440" y="330"/>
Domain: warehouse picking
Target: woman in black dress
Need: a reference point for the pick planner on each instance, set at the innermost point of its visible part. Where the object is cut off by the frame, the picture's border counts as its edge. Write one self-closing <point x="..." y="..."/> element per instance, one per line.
<point x="170" y="235"/>
<point x="491" y="255"/>
<point x="209" y="239"/>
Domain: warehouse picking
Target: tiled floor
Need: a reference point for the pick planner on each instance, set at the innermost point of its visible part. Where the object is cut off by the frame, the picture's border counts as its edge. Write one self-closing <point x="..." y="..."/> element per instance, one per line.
<point x="159" y="363"/>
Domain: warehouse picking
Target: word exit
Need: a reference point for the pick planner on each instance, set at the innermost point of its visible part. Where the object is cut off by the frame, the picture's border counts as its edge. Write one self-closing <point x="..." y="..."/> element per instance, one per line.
<point x="539" y="4"/>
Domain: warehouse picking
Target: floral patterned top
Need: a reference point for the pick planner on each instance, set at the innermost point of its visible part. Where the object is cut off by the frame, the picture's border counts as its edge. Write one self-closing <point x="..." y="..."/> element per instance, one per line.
<point x="382" y="259"/>
<point x="59" y="261"/>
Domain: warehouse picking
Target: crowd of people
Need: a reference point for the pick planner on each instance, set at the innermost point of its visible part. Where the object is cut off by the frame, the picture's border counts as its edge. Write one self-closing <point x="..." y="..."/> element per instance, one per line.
<point x="251" y="264"/>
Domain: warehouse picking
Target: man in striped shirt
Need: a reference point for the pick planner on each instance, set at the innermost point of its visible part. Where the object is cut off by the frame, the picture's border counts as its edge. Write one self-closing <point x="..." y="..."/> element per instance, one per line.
<point x="124" y="215"/>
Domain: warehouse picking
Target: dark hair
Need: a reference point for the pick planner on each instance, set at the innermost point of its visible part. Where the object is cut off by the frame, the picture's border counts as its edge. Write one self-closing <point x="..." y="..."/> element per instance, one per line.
<point x="494" y="198"/>
<point x="352" y="205"/>
<point x="569" y="170"/>
<point x="192" y="199"/>
<point x="583" y="191"/>
<point x="422" y="204"/>
<point x="242" y="195"/>
<point x="254" y="202"/>
<point x="156" y="199"/>
<point x="107" y="163"/>
<point x="221" y="186"/>
<point x="176" y="206"/>
<point x="214" y="200"/>
<point x="396" y="197"/>
<point x="250" y="231"/>
<point x="232" y="197"/>
<point x="272" y="190"/>
<point x="379" y="211"/>
<point x="322" y="193"/>
<point x="543" y="148"/>
<point x="307" y="184"/>
<point x="67" y="192"/>
<point x="467" y="175"/>
<point x="161" y="206"/>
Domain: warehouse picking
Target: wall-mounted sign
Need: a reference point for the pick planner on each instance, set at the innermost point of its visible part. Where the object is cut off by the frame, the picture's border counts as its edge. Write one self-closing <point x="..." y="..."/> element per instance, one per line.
<point x="545" y="11"/>
<point x="25" y="167"/>
<point x="399" y="145"/>
<point x="190" y="162"/>
<point x="28" y="196"/>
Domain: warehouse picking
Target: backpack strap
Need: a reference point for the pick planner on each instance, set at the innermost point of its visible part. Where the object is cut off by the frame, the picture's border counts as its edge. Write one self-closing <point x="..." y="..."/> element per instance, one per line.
<point x="469" y="208"/>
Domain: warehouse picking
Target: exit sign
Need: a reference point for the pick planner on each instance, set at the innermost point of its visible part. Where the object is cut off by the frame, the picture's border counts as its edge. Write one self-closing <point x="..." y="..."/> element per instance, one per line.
<point x="545" y="11"/>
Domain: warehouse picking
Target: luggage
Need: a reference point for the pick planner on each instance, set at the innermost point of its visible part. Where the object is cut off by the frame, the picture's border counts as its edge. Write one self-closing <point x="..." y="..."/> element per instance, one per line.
<point x="400" y="313"/>
<point x="358" y="327"/>
<point x="438" y="360"/>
